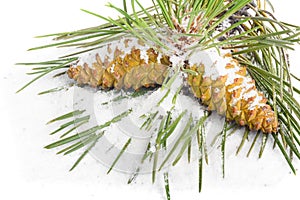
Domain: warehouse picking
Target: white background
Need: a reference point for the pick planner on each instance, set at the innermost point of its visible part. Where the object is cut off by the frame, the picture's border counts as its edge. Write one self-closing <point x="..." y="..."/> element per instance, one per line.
<point x="28" y="171"/>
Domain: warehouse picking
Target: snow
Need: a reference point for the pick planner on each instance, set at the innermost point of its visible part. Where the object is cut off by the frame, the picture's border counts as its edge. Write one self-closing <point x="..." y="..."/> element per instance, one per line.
<point x="30" y="172"/>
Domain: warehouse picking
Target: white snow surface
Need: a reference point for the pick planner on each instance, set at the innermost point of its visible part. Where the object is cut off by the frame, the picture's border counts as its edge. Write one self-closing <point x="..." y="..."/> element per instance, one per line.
<point x="28" y="171"/>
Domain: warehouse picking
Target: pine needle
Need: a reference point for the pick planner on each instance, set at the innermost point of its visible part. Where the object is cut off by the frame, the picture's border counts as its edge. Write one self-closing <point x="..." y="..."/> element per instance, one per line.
<point x="66" y="116"/>
<point x="178" y="141"/>
<point x="88" y="131"/>
<point x="263" y="144"/>
<point x="284" y="153"/>
<point x="253" y="143"/>
<point x="167" y="185"/>
<point x="119" y="155"/>
<point x="84" y="154"/>
<point x="56" y="89"/>
<point x="245" y="137"/>
<point x="74" y="128"/>
<point x="60" y="66"/>
<point x="223" y="148"/>
<point x="70" y="123"/>
<point x="200" y="140"/>
<point x="188" y="137"/>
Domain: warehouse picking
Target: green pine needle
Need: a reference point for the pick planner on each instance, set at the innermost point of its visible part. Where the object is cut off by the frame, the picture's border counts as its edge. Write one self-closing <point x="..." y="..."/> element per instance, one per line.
<point x="85" y="153"/>
<point x="223" y="148"/>
<point x="119" y="155"/>
<point x="178" y="141"/>
<point x="284" y="153"/>
<point x="167" y="185"/>
<point x="245" y="137"/>
<point x="59" y="66"/>
<point x="200" y="139"/>
<point x="253" y="143"/>
<point x="72" y="122"/>
<point x="66" y="116"/>
<point x="263" y="144"/>
<point x="88" y="131"/>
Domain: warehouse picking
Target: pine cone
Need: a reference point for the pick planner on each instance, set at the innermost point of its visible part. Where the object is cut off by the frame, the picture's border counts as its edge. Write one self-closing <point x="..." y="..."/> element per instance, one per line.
<point x="234" y="95"/>
<point x="124" y="71"/>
